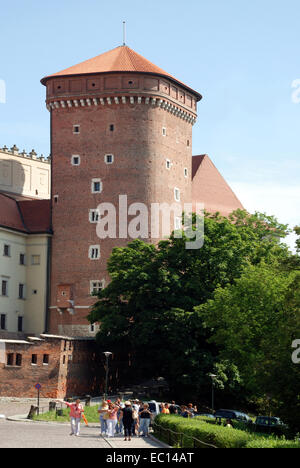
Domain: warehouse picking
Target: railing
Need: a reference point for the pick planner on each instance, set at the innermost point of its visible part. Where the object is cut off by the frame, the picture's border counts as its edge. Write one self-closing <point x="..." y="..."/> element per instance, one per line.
<point x="178" y="437"/>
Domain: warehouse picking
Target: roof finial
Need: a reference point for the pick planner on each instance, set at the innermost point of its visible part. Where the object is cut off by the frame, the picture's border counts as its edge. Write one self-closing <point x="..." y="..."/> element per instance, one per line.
<point x="124" y="33"/>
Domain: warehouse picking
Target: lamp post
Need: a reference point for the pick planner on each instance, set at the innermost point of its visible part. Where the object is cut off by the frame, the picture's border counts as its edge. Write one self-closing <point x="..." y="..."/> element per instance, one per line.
<point x="212" y="376"/>
<point x="107" y="354"/>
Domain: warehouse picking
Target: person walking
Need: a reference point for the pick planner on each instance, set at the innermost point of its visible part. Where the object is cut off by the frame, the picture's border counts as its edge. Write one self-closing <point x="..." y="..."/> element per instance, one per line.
<point x="76" y="411"/>
<point x="102" y="410"/>
<point x="112" y="419"/>
<point x="145" y="419"/>
<point x="127" y="418"/>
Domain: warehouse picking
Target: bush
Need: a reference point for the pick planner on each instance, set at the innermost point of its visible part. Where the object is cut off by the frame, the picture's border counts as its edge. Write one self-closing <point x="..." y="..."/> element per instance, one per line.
<point x="219" y="436"/>
<point x="272" y="442"/>
<point x="206" y="432"/>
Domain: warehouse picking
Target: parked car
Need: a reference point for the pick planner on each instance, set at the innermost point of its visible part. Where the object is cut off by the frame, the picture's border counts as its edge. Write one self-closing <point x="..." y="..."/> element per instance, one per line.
<point x="155" y="408"/>
<point x="232" y="414"/>
<point x="268" y="424"/>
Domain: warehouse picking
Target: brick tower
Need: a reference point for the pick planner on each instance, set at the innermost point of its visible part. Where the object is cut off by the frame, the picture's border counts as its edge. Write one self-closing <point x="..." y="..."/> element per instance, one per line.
<point x="119" y="126"/>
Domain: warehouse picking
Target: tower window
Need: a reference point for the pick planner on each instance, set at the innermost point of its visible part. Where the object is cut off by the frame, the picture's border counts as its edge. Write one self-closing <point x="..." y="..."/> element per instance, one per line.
<point x="96" y="287"/>
<point x="94" y="252"/>
<point x="111" y="127"/>
<point x="168" y="164"/>
<point x="186" y="172"/>
<point x="177" y="194"/>
<point x="188" y="143"/>
<point x="76" y="129"/>
<point x="75" y="160"/>
<point x="94" y="216"/>
<point x="96" y="186"/>
<point x="109" y="158"/>
<point x="164" y="131"/>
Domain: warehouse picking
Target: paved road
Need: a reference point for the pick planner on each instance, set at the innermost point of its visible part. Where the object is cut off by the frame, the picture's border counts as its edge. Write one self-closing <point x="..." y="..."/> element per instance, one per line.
<point x="40" y="435"/>
<point x="51" y="435"/>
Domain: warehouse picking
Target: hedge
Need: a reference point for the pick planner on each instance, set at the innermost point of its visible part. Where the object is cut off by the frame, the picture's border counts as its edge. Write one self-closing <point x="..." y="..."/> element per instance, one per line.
<point x="208" y="433"/>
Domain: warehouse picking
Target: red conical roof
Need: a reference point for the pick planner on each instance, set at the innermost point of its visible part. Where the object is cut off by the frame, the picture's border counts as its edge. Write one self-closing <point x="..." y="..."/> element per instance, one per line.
<point x="120" y="59"/>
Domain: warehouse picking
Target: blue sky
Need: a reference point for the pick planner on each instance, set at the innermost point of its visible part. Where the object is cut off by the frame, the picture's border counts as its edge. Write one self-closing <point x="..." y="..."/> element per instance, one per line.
<point x="241" y="56"/>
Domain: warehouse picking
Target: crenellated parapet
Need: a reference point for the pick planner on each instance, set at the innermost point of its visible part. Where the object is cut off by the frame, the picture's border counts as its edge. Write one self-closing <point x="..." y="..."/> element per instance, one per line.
<point x="121" y="100"/>
<point x="14" y="151"/>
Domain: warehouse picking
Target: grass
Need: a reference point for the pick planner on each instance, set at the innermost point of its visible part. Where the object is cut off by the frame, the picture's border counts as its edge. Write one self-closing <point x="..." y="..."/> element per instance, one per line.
<point x="91" y="414"/>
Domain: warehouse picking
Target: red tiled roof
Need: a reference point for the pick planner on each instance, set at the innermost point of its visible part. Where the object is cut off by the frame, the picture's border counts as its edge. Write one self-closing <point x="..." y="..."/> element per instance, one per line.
<point x="30" y="216"/>
<point x="120" y="59"/>
<point x="210" y="188"/>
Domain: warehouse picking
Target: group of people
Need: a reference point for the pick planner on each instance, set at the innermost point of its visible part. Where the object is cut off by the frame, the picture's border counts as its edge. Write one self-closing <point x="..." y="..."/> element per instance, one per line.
<point x="188" y="411"/>
<point x="132" y="418"/>
<point x="128" y="418"/>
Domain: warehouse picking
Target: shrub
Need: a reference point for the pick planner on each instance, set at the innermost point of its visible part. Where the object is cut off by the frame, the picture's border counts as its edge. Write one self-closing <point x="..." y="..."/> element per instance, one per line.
<point x="204" y="430"/>
<point x="219" y="436"/>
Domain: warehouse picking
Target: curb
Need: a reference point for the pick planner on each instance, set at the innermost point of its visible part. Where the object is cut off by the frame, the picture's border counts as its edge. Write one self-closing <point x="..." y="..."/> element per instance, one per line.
<point x="159" y="442"/>
<point x="23" y="418"/>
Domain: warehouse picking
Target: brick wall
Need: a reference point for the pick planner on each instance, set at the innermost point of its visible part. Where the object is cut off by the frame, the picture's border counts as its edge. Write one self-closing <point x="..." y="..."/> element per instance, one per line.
<point x="64" y="368"/>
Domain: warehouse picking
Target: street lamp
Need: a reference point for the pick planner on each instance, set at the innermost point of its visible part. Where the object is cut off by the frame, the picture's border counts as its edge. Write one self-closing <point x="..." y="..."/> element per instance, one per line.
<point x="107" y="354"/>
<point x="212" y="376"/>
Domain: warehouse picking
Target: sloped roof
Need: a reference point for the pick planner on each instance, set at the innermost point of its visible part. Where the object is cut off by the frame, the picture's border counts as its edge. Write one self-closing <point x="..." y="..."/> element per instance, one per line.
<point x="120" y="59"/>
<point x="209" y="187"/>
<point x="30" y="216"/>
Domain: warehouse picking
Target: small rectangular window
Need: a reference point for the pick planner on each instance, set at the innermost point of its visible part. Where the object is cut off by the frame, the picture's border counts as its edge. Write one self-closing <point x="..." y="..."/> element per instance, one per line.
<point x="75" y="160"/>
<point x="22" y="259"/>
<point x="3" y="322"/>
<point x="185" y="172"/>
<point x="94" y="216"/>
<point x="164" y="131"/>
<point x="19" y="360"/>
<point x="168" y="164"/>
<point x="6" y="250"/>
<point x="111" y="128"/>
<point x="35" y="259"/>
<point x="94" y="252"/>
<point x="177" y="194"/>
<point x="109" y="158"/>
<point x="76" y="129"/>
<point x="34" y="359"/>
<point x="21" y="291"/>
<point x="20" y="324"/>
<point x="96" y="186"/>
<point x="10" y="359"/>
<point x="46" y="359"/>
<point x="4" y="288"/>
<point x="96" y="287"/>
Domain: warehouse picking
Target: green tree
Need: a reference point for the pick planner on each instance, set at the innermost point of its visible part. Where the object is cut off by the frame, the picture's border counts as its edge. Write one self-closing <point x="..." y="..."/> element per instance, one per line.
<point x="253" y="323"/>
<point x="147" y="310"/>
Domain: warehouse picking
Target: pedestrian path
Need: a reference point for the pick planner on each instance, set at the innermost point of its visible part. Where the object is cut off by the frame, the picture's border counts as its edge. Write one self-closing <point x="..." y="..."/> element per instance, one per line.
<point x="135" y="443"/>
